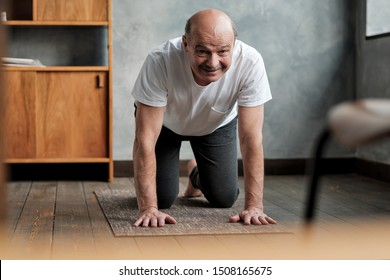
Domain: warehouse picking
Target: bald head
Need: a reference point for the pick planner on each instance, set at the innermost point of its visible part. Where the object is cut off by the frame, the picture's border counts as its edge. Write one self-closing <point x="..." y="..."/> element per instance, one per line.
<point x="210" y="21"/>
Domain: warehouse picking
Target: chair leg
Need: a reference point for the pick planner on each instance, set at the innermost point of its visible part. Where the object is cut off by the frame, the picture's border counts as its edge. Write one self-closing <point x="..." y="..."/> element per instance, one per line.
<point x="315" y="173"/>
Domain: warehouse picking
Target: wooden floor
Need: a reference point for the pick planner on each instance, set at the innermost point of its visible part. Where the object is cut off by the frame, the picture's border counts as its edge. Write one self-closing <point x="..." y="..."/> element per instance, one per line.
<point x="63" y="220"/>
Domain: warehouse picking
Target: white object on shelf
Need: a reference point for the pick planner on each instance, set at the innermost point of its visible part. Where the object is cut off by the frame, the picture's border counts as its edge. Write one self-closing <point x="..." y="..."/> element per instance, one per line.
<point x="13" y="61"/>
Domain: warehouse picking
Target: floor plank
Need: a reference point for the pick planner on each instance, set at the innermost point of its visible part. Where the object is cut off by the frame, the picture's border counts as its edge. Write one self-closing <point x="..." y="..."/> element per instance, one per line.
<point x="160" y="247"/>
<point x="244" y="246"/>
<point x="202" y="247"/>
<point x="290" y="199"/>
<point x="361" y="191"/>
<point x="72" y="228"/>
<point x="15" y="202"/>
<point x="34" y="230"/>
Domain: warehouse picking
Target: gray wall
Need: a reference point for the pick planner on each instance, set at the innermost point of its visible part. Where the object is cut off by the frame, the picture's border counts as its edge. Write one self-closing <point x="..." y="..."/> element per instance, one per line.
<point x="374" y="77"/>
<point x="308" y="49"/>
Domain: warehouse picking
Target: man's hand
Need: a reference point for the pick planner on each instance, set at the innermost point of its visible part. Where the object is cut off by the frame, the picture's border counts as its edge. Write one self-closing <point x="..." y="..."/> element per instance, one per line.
<point x="252" y="216"/>
<point x="151" y="217"/>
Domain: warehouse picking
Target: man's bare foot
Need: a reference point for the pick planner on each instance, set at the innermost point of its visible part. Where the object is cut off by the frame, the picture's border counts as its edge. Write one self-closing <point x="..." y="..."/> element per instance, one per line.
<point x="190" y="190"/>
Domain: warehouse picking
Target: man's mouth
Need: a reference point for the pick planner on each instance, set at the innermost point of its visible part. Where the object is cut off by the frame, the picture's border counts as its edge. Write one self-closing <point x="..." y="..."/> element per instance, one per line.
<point x="211" y="69"/>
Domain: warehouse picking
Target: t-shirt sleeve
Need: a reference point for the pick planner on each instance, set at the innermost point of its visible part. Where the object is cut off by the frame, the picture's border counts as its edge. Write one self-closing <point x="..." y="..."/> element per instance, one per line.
<point x="255" y="89"/>
<point x="150" y="86"/>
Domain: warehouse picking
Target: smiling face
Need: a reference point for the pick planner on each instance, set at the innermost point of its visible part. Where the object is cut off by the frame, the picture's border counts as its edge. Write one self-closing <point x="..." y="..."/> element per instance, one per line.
<point x="209" y="46"/>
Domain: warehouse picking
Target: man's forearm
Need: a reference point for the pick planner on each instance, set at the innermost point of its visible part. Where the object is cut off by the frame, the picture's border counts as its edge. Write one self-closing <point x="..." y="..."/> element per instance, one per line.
<point x="253" y="161"/>
<point x="145" y="178"/>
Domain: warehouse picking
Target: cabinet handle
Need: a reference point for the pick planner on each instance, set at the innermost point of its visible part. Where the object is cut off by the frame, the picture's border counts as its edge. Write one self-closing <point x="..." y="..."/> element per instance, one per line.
<point x="100" y="81"/>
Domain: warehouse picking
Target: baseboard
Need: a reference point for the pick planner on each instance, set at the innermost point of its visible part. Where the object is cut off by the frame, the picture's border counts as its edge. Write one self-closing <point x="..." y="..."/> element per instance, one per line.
<point x="124" y="168"/>
<point x="380" y="171"/>
<point x="56" y="171"/>
<point x="271" y="167"/>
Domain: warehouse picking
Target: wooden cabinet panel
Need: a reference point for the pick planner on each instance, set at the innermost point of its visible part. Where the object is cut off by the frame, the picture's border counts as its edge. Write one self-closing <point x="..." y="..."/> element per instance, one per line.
<point x="72" y="114"/>
<point x="19" y="106"/>
<point x="72" y="10"/>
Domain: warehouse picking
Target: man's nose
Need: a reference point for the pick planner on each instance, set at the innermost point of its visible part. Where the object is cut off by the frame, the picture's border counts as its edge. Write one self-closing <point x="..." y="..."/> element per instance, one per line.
<point x="213" y="60"/>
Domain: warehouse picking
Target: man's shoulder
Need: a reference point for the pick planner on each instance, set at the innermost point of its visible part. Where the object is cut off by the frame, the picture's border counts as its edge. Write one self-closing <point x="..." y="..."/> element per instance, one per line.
<point x="171" y="46"/>
<point x="167" y="53"/>
<point x="245" y="53"/>
<point x="242" y="48"/>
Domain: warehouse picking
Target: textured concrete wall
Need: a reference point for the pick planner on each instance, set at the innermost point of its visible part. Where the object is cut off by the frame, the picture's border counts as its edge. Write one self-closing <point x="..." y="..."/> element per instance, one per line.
<point x="307" y="47"/>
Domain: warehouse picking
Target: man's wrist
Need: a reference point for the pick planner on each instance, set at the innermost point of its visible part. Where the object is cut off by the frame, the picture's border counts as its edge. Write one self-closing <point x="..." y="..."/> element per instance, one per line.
<point x="147" y="208"/>
<point x="252" y="205"/>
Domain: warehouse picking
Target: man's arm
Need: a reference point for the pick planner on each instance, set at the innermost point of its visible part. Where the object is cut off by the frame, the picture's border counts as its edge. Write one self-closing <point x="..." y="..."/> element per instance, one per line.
<point x="250" y="126"/>
<point x="148" y="126"/>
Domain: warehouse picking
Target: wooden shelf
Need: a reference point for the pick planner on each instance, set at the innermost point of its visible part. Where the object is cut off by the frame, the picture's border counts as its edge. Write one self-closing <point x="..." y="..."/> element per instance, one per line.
<point x="58" y="160"/>
<point x="56" y="68"/>
<point x="53" y="23"/>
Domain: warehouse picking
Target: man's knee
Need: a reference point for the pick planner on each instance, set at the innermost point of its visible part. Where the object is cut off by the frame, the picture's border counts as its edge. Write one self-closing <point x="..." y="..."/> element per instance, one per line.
<point x="164" y="203"/>
<point x="225" y="200"/>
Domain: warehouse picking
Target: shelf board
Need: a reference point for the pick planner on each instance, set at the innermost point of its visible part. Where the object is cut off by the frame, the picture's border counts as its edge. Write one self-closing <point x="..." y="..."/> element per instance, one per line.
<point x="55" y="68"/>
<point x="57" y="160"/>
<point x="51" y="23"/>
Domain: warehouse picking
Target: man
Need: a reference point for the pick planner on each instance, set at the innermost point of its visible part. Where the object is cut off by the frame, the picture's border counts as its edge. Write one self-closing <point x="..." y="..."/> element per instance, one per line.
<point x="197" y="88"/>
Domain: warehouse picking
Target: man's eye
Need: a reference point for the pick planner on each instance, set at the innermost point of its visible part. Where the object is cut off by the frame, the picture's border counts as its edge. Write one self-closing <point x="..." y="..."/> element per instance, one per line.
<point x="201" y="52"/>
<point x="223" y="52"/>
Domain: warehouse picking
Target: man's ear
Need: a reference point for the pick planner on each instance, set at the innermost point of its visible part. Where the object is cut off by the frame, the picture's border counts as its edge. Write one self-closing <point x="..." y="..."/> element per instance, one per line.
<point x="184" y="42"/>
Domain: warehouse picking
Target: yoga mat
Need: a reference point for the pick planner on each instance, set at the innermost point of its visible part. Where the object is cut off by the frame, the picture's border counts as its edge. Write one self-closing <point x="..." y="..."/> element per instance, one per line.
<point x="194" y="216"/>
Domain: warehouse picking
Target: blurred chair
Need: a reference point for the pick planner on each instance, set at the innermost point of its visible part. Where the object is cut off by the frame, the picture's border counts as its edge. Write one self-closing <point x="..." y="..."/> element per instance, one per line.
<point x="353" y="124"/>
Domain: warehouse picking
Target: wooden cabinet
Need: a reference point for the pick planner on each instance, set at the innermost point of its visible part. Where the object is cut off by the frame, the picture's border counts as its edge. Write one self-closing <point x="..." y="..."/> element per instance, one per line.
<point x="60" y="113"/>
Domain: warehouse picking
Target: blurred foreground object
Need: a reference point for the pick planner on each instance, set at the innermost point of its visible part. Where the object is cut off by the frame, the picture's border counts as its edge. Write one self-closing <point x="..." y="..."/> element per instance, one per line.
<point x="353" y="124"/>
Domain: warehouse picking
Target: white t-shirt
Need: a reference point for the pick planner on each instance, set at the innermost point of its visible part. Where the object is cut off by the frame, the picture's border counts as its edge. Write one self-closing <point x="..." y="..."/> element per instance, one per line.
<point x="166" y="80"/>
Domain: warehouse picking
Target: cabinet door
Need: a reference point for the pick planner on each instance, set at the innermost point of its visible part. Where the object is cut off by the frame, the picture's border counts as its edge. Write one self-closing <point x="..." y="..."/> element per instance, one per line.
<point x="19" y="108"/>
<point x="72" y="115"/>
<point x="72" y="10"/>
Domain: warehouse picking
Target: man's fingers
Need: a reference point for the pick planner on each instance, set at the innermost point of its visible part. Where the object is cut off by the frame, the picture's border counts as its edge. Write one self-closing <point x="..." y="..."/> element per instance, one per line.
<point x="154" y="220"/>
<point x="252" y="217"/>
<point x="170" y="220"/>
<point x="257" y="220"/>
<point x="234" y="219"/>
<point x="145" y="222"/>
<point x="138" y="222"/>
<point x="247" y="219"/>
<point x="271" y="221"/>
<point x="263" y="220"/>
<point x="161" y="221"/>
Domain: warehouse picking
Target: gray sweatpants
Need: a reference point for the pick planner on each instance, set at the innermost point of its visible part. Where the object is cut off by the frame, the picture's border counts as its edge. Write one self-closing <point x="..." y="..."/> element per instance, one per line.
<point x="216" y="173"/>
